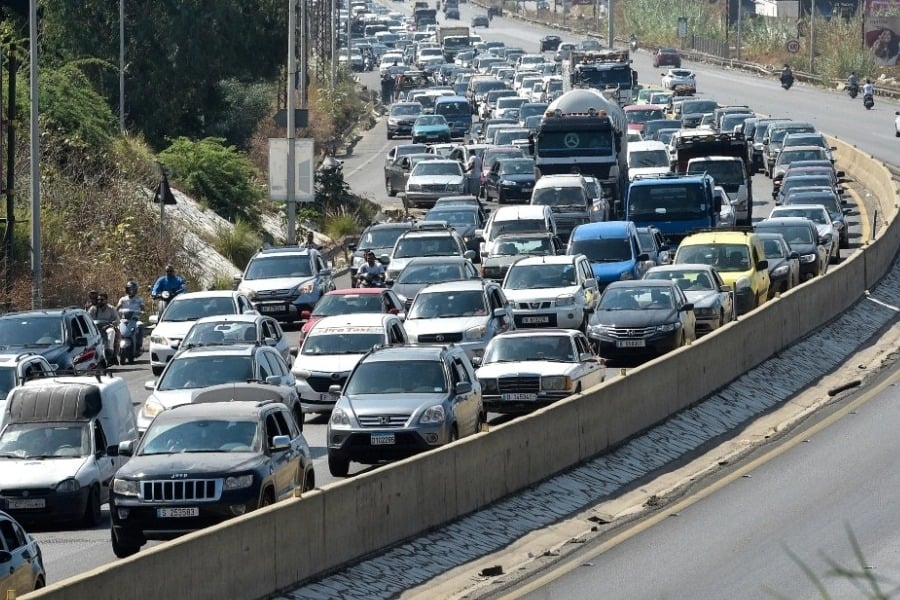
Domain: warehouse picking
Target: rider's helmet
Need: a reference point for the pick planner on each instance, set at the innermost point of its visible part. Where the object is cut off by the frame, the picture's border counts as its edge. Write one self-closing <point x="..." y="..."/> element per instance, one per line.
<point x="131" y="287"/>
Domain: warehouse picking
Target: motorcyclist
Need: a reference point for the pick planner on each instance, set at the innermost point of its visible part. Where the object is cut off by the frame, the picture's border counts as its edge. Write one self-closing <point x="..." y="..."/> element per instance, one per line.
<point x="131" y="301"/>
<point x="852" y="81"/>
<point x="787" y="76"/>
<point x="91" y="301"/>
<point x="633" y="41"/>
<point x="868" y="88"/>
<point x="104" y="312"/>
<point x="371" y="271"/>
<point x="170" y="282"/>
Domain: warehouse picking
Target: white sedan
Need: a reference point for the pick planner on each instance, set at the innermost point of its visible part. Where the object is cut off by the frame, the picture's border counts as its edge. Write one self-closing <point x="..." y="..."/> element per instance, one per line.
<point x="676" y="77"/>
<point x="523" y="370"/>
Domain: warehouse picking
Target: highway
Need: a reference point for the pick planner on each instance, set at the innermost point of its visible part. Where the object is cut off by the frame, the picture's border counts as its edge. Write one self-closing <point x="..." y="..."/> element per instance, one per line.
<point x="69" y="552"/>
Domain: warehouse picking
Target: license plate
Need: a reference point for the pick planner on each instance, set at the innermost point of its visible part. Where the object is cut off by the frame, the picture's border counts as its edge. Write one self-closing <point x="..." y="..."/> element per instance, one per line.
<point x="535" y="319"/>
<point x="519" y="397"/>
<point x="24" y="504"/>
<point x="178" y="512"/>
<point x="327" y="397"/>
<point x="382" y="439"/>
<point x="271" y="308"/>
<point x="630" y="343"/>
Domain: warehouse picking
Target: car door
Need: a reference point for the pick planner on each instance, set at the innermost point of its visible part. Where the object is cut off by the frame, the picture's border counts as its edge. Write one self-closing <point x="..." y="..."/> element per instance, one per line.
<point x="106" y="465"/>
<point x="16" y="573"/>
<point x="725" y="298"/>
<point x="687" y="317"/>
<point x="283" y="462"/>
<point x="492" y="181"/>
<point x="464" y="404"/>
<point x="324" y="275"/>
<point x="271" y="330"/>
<point x="588" y="283"/>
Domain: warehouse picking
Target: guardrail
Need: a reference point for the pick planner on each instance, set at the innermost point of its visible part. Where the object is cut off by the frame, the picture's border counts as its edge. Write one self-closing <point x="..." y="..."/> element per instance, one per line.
<point x="278" y="547"/>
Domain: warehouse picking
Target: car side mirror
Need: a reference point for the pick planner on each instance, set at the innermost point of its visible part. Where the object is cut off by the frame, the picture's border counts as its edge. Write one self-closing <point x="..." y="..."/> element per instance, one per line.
<point x="236" y="282"/>
<point x="273" y="380"/>
<point x="589" y="283"/>
<point x="326" y="272"/>
<point x="725" y="288"/>
<point x="499" y="313"/>
<point x="150" y="385"/>
<point x="841" y="174"/>
<point x="334" y="390"/>
<point x="476" y="361"/>
<point x="79" y="341"/>
<point x="294" y="351"/>
<point x="384" y="259"/>
<point x="846" y="210"/>
<point x="794" y="256"/>
<point x="688" y="306"/>
<point x="585" y="357"/>
<point x="643" y="257"/>
<point x="280" y="442"/>
<point x="125" y="448"/>
<point x="463" y="387"/>
<point x="470" y="254"/>
<point x="762" y="265"/>
<point x="351" y="247"/>
<point x="154" y="319"/>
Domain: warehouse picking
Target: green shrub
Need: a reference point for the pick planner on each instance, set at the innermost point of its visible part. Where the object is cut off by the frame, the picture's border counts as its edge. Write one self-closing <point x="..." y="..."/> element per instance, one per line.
<point x="237" y="244"/>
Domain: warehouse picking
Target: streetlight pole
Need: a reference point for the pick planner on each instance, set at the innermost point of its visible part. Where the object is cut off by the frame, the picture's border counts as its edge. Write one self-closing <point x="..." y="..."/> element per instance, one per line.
<point x="291" y="129"/>
<point x="335" y="22"/>
<point x="122" y="66"/>
<point x="35" y="160"/>
<point x="812" y="34"/>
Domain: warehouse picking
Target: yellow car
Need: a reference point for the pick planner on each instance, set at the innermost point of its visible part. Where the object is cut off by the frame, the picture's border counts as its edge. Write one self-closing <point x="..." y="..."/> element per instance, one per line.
<point x="739" y="258"/>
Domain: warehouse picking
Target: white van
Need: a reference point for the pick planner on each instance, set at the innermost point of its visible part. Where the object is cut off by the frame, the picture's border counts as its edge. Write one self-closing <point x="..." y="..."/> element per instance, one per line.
<point x="515" y="219"/>
<point x="54" y="445"/>
<point x="648" y="158"/>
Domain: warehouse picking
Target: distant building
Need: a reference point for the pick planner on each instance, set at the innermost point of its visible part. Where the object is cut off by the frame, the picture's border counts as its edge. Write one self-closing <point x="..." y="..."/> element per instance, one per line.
<point x="788" y="9"/>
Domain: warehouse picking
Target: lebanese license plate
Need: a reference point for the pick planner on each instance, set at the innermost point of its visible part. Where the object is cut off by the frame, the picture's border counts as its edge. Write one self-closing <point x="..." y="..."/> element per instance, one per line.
<point x="519" y="397"/>
<point x="271" y="308"/>
<point x="630" y="343"/>
<point x="178" y="512"/>
<point x="327" y="397"/>
<point x="536" y="319"/>
<point x="382" y="439"/>
<point x="26" y="503"/>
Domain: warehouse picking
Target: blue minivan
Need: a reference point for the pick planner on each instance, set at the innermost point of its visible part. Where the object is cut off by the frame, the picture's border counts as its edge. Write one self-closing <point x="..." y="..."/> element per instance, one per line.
<point x="614" y="249"/>
<point x="457" y="111"/>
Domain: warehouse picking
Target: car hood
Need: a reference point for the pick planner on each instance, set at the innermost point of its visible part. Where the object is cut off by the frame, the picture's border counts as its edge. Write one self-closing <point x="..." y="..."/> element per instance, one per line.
<point x="326" y="363"/>
<point x="634" y="318"/>
<point x="379" y="404"/>
<point x="276" y="283"/>
<point x="417" y="327"/>
<point x="634" y="172"/>
<point x="538" y="294"/>
<point x="525" y="367"/>
<point x="170" y="398"/>
<point x="434" y="179"/>
<point x="611" y="271"/>
<point x="41" y="472"/>
<point x="519" y="178"/>
<point x="154" y="466"/>
<point x="173" y="329"/>
<point x="701" y="298"/>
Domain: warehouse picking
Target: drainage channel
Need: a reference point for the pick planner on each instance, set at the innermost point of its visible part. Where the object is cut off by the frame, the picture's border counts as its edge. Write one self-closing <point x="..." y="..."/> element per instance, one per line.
<point x="417" y="561"/>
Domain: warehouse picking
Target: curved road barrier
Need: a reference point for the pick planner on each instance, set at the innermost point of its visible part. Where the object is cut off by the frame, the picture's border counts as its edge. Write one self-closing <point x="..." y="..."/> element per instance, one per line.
<point x="275" y="548"/>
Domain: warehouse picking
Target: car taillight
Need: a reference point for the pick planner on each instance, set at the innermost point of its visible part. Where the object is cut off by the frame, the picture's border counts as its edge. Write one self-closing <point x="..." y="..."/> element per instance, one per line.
<point x="85" y="356"/>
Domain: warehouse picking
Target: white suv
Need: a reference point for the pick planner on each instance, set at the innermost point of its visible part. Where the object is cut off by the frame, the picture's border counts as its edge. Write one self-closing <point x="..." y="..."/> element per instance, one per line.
<point x="552" y="291"/>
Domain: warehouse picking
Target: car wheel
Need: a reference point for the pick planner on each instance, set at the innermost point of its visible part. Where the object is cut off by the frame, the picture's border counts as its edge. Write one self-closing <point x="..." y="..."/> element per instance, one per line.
<point x="122" y="550"/>
<point x="454" y="435"/>
<point x="309" y="480"/>
<point x="92" y="510"/>
<point x="156" y="370"/>
<point x="391" y="191"/>
<point x="338" y="467"/>
<point x="390" y="135"/>
<point x="268" y="499"/>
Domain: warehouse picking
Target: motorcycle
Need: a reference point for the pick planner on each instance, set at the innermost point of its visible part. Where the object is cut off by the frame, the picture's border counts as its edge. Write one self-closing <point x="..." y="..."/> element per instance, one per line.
<point x="108" y="333"/>
<point x="163" y="300"/>
<point x="868" y="101"/>
<point x="634" y="44"/>
<point x="852" y="90"/>
<point x="130" y="337"/>
<point x="362" y="281"/>
<point x="787" y="82"/>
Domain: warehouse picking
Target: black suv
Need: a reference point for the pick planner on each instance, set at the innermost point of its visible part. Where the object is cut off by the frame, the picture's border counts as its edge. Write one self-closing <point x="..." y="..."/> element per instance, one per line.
<point x="66" y="337"/>
<point x="202" y="463"/>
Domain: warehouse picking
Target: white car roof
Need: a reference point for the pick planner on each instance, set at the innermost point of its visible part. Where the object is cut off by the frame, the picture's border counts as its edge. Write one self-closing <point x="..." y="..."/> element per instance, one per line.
<point x="561" y="259"/>
<point x="513" y="213"/>
<point x="364" y="320"/>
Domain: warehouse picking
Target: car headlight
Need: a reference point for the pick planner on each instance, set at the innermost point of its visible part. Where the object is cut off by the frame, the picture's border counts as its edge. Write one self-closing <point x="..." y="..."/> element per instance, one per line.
<point x="556" y="382"/>
<point x="393" y="122"/>
<point x="305" y="288"/>
<point x="432" y="414"/>
<point x="598" y="330"/>
<point x="567" y="300"/>
<point x="456" y="186"/>
<point x="302" y="374"/>
<point x="489" y="386"/>
<point x="507" y="182"/>
<point x="475" y="333"/>
<point x="238" y="482"/>
<point x="339" y="418"/>
<point x="807" y="258"/>
<point x="151" y="408"/>
<point x="705" y="312"/>
<point x="781" y="271"/>
<point x="159" y="339"/>
<point x="67" y="486"/>
<point x="392" y="274"/>
<point x="837" y="225"/>
<point x="668" y="327"/>
<point x="251" y="294"/>
<point x="126" y="487"/>
<point x="414" y="187"/>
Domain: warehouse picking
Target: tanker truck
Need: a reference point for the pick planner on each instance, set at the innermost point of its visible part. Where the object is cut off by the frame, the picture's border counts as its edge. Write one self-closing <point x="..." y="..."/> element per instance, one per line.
<point x="584" y="132"/>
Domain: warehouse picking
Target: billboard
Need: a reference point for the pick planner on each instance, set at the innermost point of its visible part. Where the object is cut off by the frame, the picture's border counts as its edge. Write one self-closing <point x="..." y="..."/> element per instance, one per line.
<point x="882" y="7"/>
<point x="883" y="39"/>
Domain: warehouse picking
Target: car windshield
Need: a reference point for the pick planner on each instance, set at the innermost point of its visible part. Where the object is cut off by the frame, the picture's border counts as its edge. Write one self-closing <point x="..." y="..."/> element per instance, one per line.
<point x="510" y="247"/>
<point x="457" y="218"/>
<point x="430" y="273"/>
<point x="431" y="120"/>
<point x="342" y="341"/>
<point x="817" y="216"/>
<point x="687" y="279"/>
<point x="794" y="234"/>
<point x="430" y="167"/>
<point x="347" y="304"/>
<point x="406" y="110"/>
<point x="724" y="257"/>
<point x="273" y="267"/>
<point x="698" y="106"/>
<point x="725" y="172"/>
<point x="636" y="298"/>
<point x="191" y="309"/>
<point x="826" y="198"/>
<point x="398" y="377"/>
<point x="642" y="116"/>
<point x="31" y="331"/>
<point x="220" y="333"/>
<point x="446" y="305"/>
<point x="516" y="167"/>
<point x="533" y="277"/>
<point x="773" y="249"/>
<point x="560" y="197"/>
<point x="45" y="440"/>
<point x="380" y="238"/>
<point x="648" y="158"/>
<point x="790" y="155"/>
<point x="518" y="226"/>
<point x="603" y="250"/>
<point x="191" y="372"/>
<point x="7" y="381"/>
<point x="554" y="348"/>
<point x="427" y="246"/>
<point x="202" y="435"/>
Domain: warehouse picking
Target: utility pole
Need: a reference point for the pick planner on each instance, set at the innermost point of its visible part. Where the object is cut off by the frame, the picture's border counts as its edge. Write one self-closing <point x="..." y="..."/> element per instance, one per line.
<point x="11" y="124"/>
<point x="335" y="22"/>
<point x="812" y="34"/>
<point x="122" y="66"/>
<point x="36" y="301"/>
<point x="291" y="237"/>
<point x="610" y="30"/>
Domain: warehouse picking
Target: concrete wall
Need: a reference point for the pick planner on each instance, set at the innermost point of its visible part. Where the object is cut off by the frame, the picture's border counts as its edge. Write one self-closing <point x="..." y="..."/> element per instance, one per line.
<point x="274" y="548"/>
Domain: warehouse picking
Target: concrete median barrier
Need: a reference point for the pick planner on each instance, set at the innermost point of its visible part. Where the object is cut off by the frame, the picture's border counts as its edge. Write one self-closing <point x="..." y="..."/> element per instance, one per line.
<point x="278" y="547"/>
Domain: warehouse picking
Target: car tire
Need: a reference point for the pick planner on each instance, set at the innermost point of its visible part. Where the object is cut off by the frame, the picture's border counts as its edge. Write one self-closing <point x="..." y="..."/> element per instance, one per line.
<point x="391" y="191"/>
<point x="92" y="513"/>
<point x="338" y="467"/>
<point x="390" y="135"/>
<point x="309" y="480"/>
<point x="156" y="370"/>
<point x="122" y="550"/>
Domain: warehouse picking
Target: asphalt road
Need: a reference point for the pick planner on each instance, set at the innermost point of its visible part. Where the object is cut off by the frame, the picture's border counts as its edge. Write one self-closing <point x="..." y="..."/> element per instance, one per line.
<point x="72" y="551"/>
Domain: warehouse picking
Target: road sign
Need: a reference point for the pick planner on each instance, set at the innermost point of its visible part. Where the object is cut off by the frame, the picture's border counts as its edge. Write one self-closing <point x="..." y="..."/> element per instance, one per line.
<point x="793" y="46"/>
<point x="304" y="170"/>
<point x="682" y="27"/>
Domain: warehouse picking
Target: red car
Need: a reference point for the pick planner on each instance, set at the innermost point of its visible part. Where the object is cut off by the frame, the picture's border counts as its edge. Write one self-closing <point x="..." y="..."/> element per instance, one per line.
<point x="351" y="301"/>
<point x="666" y="57"/>
<point x="638" y="114"/>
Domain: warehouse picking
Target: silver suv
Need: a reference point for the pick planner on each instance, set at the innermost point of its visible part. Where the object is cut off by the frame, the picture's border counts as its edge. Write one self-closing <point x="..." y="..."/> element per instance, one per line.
<point x="400" y="401"/>
<point x="425" y="239"/>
